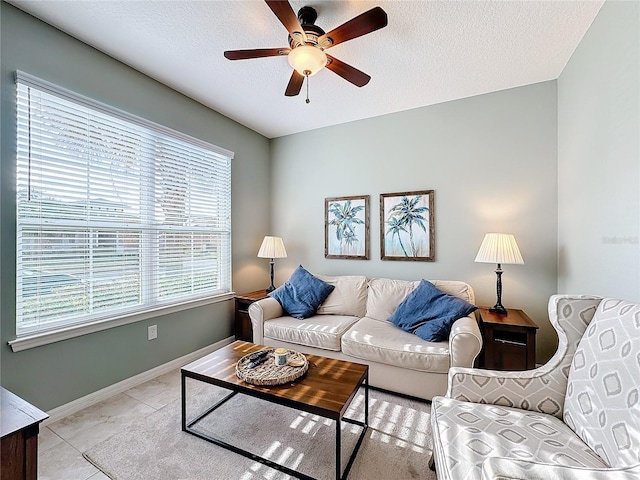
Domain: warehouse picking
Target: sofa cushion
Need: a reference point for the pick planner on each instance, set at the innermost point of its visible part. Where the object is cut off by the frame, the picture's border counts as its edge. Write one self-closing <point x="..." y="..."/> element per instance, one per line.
<point x="302" y="294"/>
<point x="456" y="288"/>
<point x="429" y="312"/>
<point x="349" y="297"/>
<point x="602" y="404"/>
<point x="383" y="342"/>
<point x="320" y="331"/>
<point x="385" y="295"/>
<point x="467" y="433"/>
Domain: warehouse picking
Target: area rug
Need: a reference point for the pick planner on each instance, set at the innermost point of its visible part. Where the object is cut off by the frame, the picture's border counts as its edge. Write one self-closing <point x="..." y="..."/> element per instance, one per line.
<point x="397" y="444"/>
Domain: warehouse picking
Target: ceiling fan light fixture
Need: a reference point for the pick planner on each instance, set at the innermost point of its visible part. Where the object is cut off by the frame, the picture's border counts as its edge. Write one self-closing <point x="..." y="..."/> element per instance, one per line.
<point x="307" y="60"/>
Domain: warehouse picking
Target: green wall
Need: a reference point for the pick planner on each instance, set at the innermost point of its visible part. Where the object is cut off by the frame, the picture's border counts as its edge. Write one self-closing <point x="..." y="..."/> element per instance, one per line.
<point x="58" y="373"/>
<point x="599" y="158"/>
<point x="491" y="160"/>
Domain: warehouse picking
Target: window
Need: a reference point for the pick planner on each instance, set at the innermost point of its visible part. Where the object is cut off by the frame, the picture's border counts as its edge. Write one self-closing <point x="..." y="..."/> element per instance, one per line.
<point x="115" y="215"/>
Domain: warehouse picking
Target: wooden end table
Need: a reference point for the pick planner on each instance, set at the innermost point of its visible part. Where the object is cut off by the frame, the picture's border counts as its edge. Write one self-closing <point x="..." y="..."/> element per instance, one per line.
<point x="19" y="428"/>
<point x="326" y="390"/>
<point x="244" y="330"/>
<point x="509" y="340"/>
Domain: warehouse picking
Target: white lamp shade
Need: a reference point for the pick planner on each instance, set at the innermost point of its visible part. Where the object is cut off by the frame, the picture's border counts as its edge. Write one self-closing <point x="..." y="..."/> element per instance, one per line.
<point x="499" y="248"/>
<point x="272" y="247"/>
<point x="306" y="58"/>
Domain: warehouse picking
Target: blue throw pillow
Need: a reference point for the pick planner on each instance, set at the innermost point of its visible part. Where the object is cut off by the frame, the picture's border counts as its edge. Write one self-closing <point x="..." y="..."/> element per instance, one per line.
<point x="302" y="294"/>
<point x="428" y="312"/>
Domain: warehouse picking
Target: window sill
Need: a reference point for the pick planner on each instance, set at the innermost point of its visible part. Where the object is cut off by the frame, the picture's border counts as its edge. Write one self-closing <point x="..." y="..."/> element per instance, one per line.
<point x="44" y="338"/>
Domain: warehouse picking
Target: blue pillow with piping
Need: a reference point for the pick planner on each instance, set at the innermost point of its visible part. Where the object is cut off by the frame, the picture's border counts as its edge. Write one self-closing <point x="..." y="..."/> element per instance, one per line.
<point x="429" y="313"/>
<point x="302" y="294"/>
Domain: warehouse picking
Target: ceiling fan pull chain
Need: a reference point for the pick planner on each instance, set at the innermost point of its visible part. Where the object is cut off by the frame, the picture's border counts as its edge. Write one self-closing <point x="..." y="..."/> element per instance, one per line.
<point x="307" y="75"/>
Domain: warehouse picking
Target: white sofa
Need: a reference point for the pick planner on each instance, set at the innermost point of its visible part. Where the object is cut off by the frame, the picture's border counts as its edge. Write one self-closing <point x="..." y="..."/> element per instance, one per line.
<point x="577" y="417"/>
<point x="352" y="325"/>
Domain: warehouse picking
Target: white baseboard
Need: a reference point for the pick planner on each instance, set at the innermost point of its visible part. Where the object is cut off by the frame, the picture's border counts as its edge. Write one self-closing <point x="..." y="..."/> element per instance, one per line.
<point x="75" y="406"/>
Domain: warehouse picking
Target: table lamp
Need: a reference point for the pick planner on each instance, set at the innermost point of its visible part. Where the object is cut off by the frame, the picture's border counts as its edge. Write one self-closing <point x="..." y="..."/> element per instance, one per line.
<point x="499" y="248"/>
<point x="272" y="247"/>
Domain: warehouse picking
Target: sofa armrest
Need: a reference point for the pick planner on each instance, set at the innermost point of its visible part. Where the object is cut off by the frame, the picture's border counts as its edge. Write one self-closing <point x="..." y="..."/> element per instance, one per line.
<point x="505" y="468"/>
<point x="260" y="312"/>
<point x="465" y="341"/>
<point x="540" y="390"/>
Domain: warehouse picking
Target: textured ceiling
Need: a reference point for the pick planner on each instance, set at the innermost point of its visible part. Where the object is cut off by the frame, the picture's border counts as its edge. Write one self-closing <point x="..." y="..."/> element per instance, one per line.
<point x="430" y="52"/>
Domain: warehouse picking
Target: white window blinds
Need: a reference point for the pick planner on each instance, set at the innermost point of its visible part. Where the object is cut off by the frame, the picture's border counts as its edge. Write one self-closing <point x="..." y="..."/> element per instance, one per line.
<point x="115" y="214"/>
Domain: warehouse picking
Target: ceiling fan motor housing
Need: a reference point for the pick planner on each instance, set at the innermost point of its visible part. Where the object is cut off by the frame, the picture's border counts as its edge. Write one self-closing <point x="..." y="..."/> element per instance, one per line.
<point x="307" y="17"/>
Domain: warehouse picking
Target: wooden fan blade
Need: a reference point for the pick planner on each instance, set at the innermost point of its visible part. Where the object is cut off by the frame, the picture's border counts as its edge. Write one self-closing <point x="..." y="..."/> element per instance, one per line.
<point x="255" y="53"/>
<point x="287" y="16"/>
<point x="295" y="84"/>
<point x="364" y="23"/>
<point x="349" y="73"/>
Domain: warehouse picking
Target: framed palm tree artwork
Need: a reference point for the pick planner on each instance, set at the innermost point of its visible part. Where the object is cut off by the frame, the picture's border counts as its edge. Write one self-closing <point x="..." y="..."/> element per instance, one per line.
<point x="407" y="229"/>
<point x="346" y="227"/>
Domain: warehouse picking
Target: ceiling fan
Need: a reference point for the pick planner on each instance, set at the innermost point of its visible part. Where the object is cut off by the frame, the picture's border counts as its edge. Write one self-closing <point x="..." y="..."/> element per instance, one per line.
<point x="308" y="42"/>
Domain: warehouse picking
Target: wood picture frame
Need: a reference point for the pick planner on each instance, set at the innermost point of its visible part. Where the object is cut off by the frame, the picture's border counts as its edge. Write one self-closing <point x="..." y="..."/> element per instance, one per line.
<point x="407" y="228"/>
<point x="346" y="227"/>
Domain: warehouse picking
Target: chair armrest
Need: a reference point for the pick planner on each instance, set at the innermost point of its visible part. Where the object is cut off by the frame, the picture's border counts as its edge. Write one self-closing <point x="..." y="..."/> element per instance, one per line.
<point x="465" y="341"/>
<point x="540" y="390"/>
<point x="504" y="468"/>
<point x="526" y="389"/>
<point x="260" y="312"/>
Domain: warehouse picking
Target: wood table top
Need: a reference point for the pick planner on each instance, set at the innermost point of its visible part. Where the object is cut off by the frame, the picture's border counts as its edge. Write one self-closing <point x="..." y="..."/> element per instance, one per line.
<point x="16" y="413"/>
<point x="515" y="317"/>
<point x="257" y="295"/>
<point x="327" y="389"/>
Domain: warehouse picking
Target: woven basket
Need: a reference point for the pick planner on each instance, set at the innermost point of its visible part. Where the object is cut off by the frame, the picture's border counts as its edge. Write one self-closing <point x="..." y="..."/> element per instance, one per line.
<point x="268" y="373"/>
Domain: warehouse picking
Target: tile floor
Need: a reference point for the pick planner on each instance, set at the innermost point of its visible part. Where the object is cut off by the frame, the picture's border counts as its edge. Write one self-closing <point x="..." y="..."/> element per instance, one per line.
<point x="60" y="444"/>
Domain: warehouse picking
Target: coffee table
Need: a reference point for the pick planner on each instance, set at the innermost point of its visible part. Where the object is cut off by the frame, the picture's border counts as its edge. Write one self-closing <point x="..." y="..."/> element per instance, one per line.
<point x="326" y="390"/>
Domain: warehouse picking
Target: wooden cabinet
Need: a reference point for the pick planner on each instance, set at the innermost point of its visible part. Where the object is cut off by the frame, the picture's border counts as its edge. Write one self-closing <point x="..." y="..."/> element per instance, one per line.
<point x="242" y="320"/>
<point x="19" y="426"/>
<point x="509" y="340"/>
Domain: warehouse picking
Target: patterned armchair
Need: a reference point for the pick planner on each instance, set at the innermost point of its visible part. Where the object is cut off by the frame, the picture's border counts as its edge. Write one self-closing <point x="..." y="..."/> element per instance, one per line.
<point x="576" y="417"/>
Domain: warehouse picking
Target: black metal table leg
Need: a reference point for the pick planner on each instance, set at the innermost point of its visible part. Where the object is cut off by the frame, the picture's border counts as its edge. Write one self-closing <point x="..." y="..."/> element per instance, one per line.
<point x="338" y="448"/>
<point x="184" y="401"/>
<point x="365" y="427"/>
<point x="366" y="399"/>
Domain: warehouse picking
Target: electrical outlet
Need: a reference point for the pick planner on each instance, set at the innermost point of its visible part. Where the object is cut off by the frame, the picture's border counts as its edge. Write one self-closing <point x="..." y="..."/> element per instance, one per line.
<point x="152" y="331"/>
